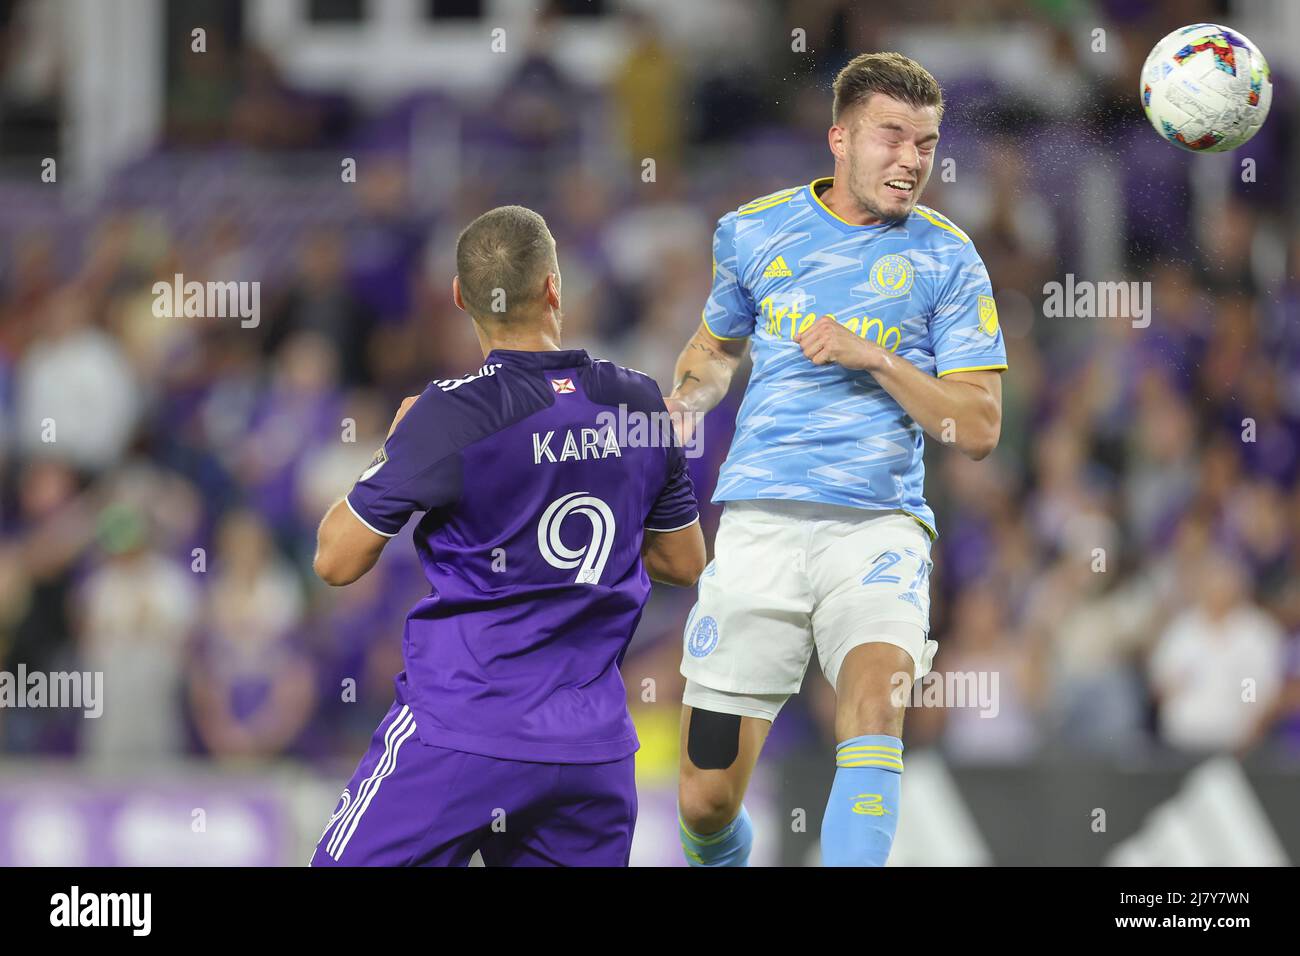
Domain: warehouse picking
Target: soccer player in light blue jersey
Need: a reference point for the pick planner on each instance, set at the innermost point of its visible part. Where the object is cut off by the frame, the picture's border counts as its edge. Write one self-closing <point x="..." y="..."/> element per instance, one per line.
<point x="871" y="323"/>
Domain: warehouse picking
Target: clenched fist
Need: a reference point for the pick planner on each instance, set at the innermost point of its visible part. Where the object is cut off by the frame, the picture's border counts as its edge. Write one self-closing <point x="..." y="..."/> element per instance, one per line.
<point x="826" y="342"/>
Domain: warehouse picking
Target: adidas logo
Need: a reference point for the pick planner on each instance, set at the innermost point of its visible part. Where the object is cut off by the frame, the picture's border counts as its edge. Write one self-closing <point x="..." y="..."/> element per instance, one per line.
<point x="777" y="269"/>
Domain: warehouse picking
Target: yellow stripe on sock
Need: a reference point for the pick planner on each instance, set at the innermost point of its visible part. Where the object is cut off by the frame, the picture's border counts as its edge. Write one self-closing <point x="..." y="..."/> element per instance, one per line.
<point x="879" y="748"/>
<point x="870" y="762"/>
<point x="703" y="840"/>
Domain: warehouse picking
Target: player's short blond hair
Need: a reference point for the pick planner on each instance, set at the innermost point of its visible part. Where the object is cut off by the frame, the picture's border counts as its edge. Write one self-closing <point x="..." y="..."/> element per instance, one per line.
<point x="502" y="260"/>
<point x="890" y="73"/>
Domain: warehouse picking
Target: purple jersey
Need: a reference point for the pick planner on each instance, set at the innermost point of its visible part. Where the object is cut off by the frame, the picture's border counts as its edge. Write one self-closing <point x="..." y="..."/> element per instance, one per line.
<point x="535" y="502"/>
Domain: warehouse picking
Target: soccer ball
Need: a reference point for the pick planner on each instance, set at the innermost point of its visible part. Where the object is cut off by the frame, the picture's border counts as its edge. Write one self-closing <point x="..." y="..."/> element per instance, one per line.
<point x="1206" y="88"/>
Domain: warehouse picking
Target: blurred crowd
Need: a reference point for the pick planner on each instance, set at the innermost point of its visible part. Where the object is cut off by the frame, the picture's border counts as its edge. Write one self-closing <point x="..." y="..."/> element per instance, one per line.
<point x="1127" y="562"/>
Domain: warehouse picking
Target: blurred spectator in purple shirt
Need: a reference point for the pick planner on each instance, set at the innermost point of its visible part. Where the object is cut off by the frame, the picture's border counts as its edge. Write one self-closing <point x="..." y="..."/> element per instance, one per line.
<point x="252" y="688"/>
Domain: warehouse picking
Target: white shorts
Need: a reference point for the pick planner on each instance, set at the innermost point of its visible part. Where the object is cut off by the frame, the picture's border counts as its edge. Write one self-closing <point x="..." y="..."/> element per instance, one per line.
<point x="791" y="575"/>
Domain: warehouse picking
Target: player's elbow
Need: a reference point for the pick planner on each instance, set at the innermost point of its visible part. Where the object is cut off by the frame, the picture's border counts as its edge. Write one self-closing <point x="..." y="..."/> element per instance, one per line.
<point x="980" y="445"/>
<point x="330" y="570"/>
<point x="345" y="547"/>
<point x="980" y="450"/>
<point x="677" y="557"/>
<point x="685" y="574"/>
<point x="683" y="580"/>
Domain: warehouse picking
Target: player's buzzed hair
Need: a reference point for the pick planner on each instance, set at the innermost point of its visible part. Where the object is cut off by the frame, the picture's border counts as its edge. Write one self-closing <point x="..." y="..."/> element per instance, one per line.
<point x="890" y="73"/>
<point x="508" y="249"/>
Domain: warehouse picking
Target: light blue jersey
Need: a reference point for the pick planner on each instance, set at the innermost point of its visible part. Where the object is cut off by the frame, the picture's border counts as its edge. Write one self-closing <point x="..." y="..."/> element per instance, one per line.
<point x="822" y="432"/>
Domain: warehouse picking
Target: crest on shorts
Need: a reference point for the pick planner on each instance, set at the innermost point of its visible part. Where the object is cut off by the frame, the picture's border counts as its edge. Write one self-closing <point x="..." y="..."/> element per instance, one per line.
<point x="703" y="637"/>
<point x="988" y="315"/>
<point x="375" y="464"/>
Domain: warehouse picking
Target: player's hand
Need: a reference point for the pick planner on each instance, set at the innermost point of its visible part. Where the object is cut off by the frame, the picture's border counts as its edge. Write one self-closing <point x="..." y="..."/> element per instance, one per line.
<point x="826" y="342"/>
<point x="401" y="412"/>
<point x="683" y="418"/>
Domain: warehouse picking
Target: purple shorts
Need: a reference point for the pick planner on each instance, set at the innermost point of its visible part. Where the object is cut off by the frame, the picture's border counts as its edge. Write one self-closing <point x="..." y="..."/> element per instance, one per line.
<point x="410" y="804"/>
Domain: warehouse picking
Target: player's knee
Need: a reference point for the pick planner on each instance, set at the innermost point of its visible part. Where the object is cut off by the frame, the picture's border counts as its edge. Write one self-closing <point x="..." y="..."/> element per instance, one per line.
<point x="707" y="803"/>
<point x="710" y="799"/>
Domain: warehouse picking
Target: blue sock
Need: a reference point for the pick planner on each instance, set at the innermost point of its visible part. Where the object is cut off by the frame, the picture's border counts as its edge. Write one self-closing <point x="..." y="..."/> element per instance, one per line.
<point x="862" y="812"/>
<point x="730" y="846"/>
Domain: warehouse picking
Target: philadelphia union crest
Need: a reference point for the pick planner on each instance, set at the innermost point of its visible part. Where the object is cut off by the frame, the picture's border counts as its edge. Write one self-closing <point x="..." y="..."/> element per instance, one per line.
<point x="703" y="637"/>
<point x="892" y="276"/>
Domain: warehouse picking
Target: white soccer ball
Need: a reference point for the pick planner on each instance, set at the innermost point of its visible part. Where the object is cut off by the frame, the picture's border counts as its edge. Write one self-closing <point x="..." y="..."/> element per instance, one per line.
<point x="1206" y="88"/>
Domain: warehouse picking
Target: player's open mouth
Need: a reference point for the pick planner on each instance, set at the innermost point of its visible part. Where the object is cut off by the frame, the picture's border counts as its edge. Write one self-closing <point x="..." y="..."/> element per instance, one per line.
<point x="899" y="187"/>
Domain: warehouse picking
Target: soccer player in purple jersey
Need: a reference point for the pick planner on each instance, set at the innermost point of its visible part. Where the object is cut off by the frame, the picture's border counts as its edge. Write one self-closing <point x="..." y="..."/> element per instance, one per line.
<point x="510" y="733"/>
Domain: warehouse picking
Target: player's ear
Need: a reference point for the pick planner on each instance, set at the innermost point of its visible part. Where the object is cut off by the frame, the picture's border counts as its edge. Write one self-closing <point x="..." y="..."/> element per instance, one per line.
<point x="553" y="289"/>
<point x="455" y="293"/>
<point x="836" y="138"/>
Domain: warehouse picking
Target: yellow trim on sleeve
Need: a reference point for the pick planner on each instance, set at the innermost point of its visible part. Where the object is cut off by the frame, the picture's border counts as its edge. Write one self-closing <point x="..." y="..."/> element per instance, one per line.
<point x="973" y="368"/>
<point x="724" y="338"/>
<point x="930" y="216"/>
<point x="767" y="205"/>
<point x="771" y="199"/>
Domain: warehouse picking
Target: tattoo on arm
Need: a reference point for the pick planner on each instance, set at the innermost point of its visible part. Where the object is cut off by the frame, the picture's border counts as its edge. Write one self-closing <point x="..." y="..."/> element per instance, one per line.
<point x="687" y="376"/>
<point x="714" y="356"/>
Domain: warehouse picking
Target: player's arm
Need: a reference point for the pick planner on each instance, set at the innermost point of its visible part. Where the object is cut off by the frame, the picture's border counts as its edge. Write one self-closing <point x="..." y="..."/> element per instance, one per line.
<point x="704" y="371"/>
<point x="346" y="547"/>
<point x="709" y="362"/>
<point x="962" y="403"/>
<point x="674" y="557"/>
<point x="963" y="408"/>
<point x="672" y="548"/>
